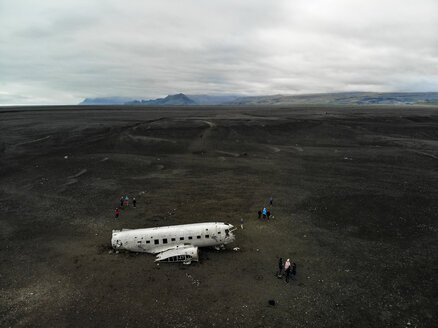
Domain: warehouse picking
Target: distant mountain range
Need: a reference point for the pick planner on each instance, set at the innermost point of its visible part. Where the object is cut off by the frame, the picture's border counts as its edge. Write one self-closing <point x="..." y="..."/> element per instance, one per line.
<point x="172" y="100"/>
<point x="342" y="98"/>
<point x="213" y="99"/>
<point x="105" y="101"/>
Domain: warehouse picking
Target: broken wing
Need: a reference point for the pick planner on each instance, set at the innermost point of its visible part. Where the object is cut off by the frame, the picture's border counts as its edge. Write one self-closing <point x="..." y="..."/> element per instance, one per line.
<point x="180" y="253"/>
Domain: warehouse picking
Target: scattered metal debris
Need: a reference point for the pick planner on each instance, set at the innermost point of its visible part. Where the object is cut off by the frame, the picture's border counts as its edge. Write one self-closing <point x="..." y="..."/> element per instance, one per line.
<point x="194" y="281"/>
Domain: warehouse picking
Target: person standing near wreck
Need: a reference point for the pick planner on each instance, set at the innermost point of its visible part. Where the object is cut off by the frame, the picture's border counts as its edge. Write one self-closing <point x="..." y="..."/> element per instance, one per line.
<point x="121" y="201"/>
<point x="287" y="270"/>
<point x="268" y="214"/>
<point x="287" y="273"/>
<point x="127" y="201"/>
<point x="260" y="214"/>
<point x="280" y="267"/>
<point x="271" y="201"/>
<point x="286" y="264"/>
<point x="134" y="202"/>
<point x="264" y="212"/>
<point x="294" y="271"/>
<point x="117" y="213"/>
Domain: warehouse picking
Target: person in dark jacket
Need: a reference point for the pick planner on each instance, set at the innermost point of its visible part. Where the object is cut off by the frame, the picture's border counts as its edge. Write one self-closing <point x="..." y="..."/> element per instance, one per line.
<point x="280" y="266"/>
<point x="259" y="213"/>
<point x="121" y="202"/>
<point x="294" y="271"/>
<point x="271" y="201"/>
<point x="268" y="214"/>
<point x="134" y="202"/>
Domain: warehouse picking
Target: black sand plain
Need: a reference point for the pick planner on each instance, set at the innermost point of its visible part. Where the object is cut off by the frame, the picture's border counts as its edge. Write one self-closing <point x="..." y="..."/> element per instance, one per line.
<point x="355" y="206"/>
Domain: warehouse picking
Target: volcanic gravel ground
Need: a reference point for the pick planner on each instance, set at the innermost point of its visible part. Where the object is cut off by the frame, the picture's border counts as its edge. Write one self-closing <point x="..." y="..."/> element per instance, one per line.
<point x="355" y="206"/>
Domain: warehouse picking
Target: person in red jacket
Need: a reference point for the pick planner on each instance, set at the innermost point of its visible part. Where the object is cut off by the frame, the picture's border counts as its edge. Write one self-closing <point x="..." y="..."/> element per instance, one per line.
<point x="117" y="213"/>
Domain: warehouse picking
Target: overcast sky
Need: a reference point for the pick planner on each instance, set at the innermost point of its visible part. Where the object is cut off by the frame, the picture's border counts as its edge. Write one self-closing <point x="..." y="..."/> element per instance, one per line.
<point x="61" y="51"/>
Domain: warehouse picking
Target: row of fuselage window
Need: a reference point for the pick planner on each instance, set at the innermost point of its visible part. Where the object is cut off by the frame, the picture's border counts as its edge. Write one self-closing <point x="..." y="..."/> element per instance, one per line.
<point x="165" y="240"/>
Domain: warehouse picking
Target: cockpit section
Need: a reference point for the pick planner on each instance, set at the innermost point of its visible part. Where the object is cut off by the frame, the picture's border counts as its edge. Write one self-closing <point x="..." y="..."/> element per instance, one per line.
<point x="229" y="236"/>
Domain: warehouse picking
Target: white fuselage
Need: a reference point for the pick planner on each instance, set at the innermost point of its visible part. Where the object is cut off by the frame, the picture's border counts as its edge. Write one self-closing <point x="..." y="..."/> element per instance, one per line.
<point x="156" y="240"/>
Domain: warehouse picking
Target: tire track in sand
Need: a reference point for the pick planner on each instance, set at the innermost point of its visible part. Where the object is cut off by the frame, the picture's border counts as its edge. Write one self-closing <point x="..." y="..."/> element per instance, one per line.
<point x="199" y="145"/>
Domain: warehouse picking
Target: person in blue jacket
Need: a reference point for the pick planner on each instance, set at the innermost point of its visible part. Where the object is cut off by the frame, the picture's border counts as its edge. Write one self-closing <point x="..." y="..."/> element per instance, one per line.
<point x="294" y="271"/>
<point x="264" y="212"/>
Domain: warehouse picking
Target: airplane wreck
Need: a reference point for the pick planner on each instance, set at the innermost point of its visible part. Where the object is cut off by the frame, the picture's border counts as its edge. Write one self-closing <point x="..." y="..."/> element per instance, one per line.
<point x="178" y="243"/>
